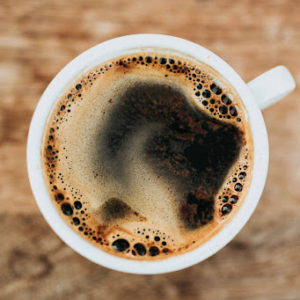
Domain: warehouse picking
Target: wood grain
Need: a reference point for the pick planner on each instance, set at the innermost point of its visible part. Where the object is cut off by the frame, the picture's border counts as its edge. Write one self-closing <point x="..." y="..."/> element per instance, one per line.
<point x="37" y="38"/>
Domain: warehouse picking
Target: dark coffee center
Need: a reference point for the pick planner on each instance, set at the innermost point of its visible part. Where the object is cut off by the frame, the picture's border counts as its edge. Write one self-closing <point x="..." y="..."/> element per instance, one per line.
<point x="186" y="145"/>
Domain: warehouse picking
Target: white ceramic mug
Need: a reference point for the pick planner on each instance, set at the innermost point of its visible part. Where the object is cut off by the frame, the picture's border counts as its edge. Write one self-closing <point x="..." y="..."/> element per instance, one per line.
<point x="256" y="95"/>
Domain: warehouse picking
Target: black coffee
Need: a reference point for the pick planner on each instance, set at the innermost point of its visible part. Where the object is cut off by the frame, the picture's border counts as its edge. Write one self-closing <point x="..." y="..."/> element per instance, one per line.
<point x="148" y="156"/>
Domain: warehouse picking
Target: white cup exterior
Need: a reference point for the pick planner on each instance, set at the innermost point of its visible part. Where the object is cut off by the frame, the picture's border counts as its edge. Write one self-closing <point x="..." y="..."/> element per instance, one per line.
<point x="103" y="52"/>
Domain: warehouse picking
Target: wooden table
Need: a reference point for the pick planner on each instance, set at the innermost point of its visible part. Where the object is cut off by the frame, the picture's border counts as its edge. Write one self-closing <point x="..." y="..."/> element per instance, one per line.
<point x="37" y="38"/>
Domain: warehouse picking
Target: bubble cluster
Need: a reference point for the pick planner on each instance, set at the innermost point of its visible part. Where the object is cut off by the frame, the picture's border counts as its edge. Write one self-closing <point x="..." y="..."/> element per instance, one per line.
<point x="230" y="196"/>
<point x="212" y="95"/>
<point x="151" y="243"/>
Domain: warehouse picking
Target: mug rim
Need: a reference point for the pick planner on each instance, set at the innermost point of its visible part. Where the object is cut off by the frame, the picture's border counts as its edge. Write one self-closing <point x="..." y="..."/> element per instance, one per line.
<point x="114" y="48"/>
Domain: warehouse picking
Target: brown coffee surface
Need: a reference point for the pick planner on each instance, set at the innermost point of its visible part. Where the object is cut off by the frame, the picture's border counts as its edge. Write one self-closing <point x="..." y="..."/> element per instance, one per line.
<point x="148" y="155"/>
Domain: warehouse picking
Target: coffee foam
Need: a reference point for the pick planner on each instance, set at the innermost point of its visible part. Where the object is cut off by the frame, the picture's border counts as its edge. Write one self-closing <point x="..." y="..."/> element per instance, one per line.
<point x="117" y="199"/>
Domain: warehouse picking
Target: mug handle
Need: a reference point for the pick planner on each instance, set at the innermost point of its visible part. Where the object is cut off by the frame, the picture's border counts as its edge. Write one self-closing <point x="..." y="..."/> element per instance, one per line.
<point x="271" y="86"/>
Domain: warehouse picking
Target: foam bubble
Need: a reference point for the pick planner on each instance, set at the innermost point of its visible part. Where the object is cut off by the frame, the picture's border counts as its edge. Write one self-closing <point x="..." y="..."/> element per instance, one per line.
<point x="120" y="245"/>
<point x="140" y="249"/>
<point x="67" y="209"/>
<point x="226" y="209"/>
<point x="153" y="251"/>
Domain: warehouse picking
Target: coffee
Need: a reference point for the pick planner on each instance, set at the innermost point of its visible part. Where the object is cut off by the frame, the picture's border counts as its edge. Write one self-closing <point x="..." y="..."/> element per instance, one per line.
<point x="148" y="155"/>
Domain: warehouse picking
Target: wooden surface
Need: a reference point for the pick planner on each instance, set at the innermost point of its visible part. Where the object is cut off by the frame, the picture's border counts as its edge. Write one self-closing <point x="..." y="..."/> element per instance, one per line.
<point x="37" y="38"/>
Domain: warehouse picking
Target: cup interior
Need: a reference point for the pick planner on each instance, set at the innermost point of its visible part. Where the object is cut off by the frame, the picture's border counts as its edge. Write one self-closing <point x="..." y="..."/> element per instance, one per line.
<point x="103" y="52"/>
